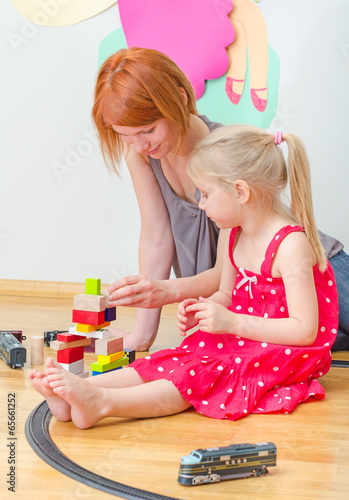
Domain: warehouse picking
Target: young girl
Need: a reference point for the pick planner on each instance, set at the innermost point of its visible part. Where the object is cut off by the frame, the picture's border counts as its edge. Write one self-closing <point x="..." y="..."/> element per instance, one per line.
<point x="265" y="336"/>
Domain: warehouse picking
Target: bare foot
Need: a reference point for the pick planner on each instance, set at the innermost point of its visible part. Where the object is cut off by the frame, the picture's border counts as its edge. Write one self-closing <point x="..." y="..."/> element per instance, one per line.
<point x="60" y="409"/>
<point x="88" y="402"/>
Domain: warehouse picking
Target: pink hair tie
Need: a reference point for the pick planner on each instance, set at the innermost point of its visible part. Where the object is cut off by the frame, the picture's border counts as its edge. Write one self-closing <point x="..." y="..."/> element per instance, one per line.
<point x="278" y="138"/>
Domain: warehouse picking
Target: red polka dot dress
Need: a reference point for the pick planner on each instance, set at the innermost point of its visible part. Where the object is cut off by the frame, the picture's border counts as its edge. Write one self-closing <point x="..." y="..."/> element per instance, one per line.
<point x="227" y="376"/>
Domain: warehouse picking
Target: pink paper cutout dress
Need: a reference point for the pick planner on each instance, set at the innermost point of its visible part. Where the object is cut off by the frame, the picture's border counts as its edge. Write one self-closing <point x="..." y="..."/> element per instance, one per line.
<point x="194" y="33"/>
<point x="225" y="376"/>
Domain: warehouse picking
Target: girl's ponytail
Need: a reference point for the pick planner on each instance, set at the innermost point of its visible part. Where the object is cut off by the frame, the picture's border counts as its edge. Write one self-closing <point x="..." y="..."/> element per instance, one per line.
<point x="301" y="198"/>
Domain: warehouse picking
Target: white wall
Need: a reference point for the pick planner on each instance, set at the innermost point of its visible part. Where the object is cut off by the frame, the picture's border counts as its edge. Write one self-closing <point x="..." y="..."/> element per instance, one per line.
<point x="62" y="216"/>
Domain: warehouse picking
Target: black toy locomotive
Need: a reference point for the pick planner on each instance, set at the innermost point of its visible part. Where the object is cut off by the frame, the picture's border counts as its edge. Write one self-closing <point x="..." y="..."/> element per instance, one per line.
<point x="212" y="465"/>
<point x="12" y="351"/>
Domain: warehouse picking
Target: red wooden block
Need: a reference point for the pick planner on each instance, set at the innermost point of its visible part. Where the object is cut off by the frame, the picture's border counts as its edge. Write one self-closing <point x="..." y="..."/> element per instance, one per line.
<point x="69" y="337"/>
<point x="70" y="355"/>
<point x="88" y="317"/>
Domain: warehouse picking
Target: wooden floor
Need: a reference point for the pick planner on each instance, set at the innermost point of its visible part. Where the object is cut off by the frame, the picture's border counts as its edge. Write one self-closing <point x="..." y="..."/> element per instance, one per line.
<point x="312" y="442"/>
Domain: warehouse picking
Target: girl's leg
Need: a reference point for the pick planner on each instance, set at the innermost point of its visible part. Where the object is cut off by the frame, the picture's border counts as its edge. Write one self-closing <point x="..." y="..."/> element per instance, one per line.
<point x="91" y="403"/>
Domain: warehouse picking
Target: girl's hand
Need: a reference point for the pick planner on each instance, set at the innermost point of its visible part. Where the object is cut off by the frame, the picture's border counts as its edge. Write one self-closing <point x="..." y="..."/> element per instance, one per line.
<point x="185" y="319"/>
<point x="137" y="291"/>
<point x="211" y="316"/>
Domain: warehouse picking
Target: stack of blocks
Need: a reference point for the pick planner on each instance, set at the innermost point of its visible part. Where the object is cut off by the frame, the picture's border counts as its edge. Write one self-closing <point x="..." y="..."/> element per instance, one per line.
<point x="92" y="316"/>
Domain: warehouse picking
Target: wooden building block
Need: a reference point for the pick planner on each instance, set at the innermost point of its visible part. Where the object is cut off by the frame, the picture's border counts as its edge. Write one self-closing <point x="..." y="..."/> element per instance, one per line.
<point x="83" y="374"/>
<point x="131" y="354"/>
<point x="37" y="349"/>
<point x="105" y="367"/>
<point x="76" y="367"/>
<point x="113" y="344"/>
<point x="109" y="359"/>
<point x="59" y="346"/>
<point x="110" y="314"/>
<point x="88" y="317"/>
<point x="69" y="337"/>
<point x="82" y="327"/>
<point x="104" y="333"/>
<point x="92" y="286"/>
<point x="86" y="302"/>
<point x="70" y="355"/>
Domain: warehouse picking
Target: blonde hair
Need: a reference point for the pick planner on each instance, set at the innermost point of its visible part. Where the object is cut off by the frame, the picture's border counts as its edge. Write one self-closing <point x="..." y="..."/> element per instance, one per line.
<point x="249" y="153"/>
<point x="135" y="87"/>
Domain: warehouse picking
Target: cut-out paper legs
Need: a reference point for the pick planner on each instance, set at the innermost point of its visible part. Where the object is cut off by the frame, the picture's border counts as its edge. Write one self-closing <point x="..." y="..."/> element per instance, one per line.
<point x="250" y="41"/>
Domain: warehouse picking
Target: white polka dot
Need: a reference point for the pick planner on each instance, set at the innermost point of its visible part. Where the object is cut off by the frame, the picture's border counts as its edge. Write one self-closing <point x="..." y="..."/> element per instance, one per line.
<point x="261" y="384"/>
<point x="306" y="356"/>
<point x="287" y="397"/>
<point x="201" y="344"/>
<point x="287" y="388"/>
<point x="230" y="391"/>
<point x="277" y="236"/>
<point x="245" y="411"/>
<point x="330" y="283"/>
<point x="288" y="351"/>
<point x="192" y="373"/>
<point x="264" y="344"/>
<point x="185" y="347"/>
<point x="246" y="288"/>
<point x="270" y="279"/>
<point x="273" y="292"/>
<point x="260" y="409"/>
<point x="320" y="374"/>
<point x="238" y="308"/>
<point x="189" y="391"/>
<point x="327" y="344"/>
<point x="175" y="359"/>
<point x="171" y="371"/>
<point x="244" y="388"/>
<point x="220" y="368"/>
<point x="265" y="315"/>
<point x="147" y="357"/>
<point x="328" y="300"/>
<point x="234" y="292"/>
<point x="282" y="309"/>
<point x="250" y="309"/>
<point x="334" y="330"/>
<point x="205" y="402"/>
<point x="160" y="369"/>
<point x="173" y="348"/>
<point x="322" y="329"/>
<point x="222" y="406"/>
<point x="203" y="361"/>
<point x="232" y="370"/>
<point x="220" y="346"/>
<point x="237" y="360"/>
<point x="241" y="343"/>
<point x="256" y="365"/>
<point x="276" y="369"/>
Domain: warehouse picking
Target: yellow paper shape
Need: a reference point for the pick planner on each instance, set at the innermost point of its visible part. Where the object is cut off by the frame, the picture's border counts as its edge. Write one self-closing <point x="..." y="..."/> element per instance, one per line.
<point x="60" y="12"/>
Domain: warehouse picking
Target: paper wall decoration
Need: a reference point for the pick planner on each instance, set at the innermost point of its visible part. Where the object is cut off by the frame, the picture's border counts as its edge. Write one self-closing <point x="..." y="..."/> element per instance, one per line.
<point x="59" y="12"/>
<point x="194" y="33"/>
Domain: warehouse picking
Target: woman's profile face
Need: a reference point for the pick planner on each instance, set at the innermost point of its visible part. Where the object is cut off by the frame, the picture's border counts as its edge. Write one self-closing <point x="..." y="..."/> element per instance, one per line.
<point x="156" y="139"/>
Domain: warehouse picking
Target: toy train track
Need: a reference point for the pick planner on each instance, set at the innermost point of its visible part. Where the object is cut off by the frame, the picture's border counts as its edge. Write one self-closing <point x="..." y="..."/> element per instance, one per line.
<point x="38" y="436"/>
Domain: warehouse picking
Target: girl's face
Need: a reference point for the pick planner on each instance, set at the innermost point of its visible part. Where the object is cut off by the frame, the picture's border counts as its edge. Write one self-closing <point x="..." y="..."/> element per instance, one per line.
<point x="220" y="205"/>
<point x="155" y="140"/>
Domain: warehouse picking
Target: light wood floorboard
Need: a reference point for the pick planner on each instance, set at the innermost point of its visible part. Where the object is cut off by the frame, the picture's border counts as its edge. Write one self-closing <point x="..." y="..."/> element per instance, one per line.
<point x="312" y="442"/>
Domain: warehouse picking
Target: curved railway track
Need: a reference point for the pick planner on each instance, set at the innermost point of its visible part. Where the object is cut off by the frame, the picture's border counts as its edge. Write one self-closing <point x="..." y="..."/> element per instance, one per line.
<point x="38" y="435"/>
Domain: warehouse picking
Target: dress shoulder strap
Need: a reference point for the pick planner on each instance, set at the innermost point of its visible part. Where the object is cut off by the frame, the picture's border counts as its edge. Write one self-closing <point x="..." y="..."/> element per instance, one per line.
<point x="273" y="246"/>
<point x="232" y="237"/>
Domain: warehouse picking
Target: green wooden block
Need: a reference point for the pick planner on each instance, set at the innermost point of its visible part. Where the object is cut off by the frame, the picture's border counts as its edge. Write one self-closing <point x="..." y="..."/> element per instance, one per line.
<point x="105" y="367"/>
<point x="92" y="286"/>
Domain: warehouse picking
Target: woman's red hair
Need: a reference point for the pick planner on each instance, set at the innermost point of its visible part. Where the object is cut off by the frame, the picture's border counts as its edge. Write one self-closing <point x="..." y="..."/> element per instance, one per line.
<point x="134" y="88"/>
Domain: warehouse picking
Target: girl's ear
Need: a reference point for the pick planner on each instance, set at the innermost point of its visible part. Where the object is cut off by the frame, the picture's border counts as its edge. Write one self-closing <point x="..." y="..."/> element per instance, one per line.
<point x="184" y="95"/>
<point x="243" y="191"/>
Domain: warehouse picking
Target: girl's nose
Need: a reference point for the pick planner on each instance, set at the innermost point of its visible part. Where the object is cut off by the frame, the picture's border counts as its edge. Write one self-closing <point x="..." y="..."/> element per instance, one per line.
<point x="140" y="145"/>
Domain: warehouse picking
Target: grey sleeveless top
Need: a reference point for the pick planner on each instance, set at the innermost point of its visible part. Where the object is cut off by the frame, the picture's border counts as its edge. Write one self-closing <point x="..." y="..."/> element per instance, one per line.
<point x="195" y="236"/>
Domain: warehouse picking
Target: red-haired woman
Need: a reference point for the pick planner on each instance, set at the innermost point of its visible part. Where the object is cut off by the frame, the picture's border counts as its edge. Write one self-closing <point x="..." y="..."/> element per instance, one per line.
<point x="145" y="110"/>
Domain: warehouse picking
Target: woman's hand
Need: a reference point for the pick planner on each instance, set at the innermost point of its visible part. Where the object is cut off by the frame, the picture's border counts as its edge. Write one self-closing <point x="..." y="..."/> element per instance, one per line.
<point x="138" y="291"/>
<point x="211" y="316"/>
<point x="185" y="319"/>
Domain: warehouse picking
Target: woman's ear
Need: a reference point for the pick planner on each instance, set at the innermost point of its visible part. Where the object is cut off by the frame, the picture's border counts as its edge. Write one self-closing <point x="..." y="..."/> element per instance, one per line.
<point x="184" y="95"/>
<point x="242" y="190"/>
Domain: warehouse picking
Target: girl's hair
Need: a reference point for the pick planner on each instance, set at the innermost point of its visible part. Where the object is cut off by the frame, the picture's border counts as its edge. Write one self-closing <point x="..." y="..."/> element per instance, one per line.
<point x="135" y="87"/>
<point x="249" y="153"/>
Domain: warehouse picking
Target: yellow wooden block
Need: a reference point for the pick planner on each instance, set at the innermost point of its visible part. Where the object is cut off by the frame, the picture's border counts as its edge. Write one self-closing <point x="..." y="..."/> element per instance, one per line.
<point x="109" y="359"/>
<point x="81" y="327"/>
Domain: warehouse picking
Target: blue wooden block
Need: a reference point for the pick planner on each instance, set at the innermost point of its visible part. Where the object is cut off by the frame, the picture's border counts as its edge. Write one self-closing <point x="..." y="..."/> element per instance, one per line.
<point x="110" y="314"/>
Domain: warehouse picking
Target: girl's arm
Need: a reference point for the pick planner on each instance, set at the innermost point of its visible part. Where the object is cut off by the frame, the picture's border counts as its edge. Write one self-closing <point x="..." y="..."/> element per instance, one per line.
<point x="293" y="263"/>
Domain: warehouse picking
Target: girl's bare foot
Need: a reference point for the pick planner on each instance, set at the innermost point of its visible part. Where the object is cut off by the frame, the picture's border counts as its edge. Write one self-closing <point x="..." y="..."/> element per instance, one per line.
<point x="60" y="409"/>
<point x="88" y="402"/>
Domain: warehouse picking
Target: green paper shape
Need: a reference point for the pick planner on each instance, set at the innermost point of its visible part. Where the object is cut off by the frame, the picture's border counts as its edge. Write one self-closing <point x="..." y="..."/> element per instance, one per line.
<point x="215" y="103"/>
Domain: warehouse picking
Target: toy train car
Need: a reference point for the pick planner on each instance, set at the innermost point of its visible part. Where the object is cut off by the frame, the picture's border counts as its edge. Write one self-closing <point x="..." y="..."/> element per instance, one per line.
<point x="12" y="351"/>
<point x="212" y="465"/>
